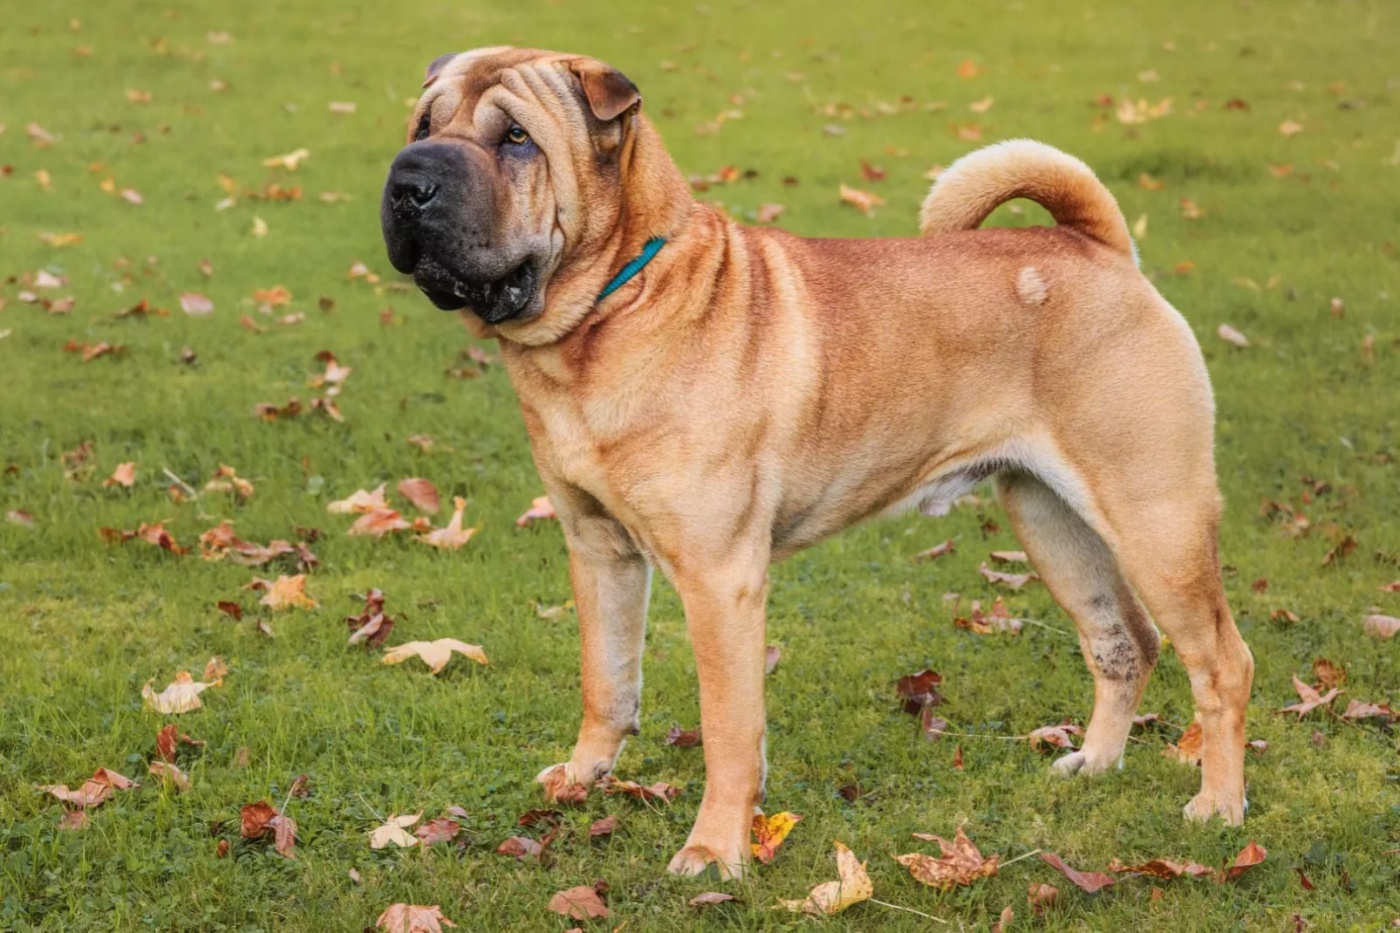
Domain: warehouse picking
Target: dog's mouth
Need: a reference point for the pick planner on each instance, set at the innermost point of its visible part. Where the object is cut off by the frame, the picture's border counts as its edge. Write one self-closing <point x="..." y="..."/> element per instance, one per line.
<point x="493" y="301"/>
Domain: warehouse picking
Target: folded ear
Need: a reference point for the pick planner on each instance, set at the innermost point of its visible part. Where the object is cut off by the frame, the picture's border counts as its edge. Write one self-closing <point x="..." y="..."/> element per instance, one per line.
<point x="608" y="91"/>
<point x="430" y="74"/>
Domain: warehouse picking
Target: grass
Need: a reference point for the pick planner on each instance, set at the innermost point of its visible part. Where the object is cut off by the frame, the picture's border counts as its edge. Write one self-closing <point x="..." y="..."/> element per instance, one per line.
<point x="85" y="624"/>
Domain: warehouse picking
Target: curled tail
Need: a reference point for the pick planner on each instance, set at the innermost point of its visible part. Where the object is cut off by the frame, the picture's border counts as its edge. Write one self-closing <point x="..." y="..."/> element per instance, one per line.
<point x="976" y="184"/>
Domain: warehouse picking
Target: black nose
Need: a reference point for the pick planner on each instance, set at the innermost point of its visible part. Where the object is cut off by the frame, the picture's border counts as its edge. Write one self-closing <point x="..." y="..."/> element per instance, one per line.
<point x="412" y="191"/>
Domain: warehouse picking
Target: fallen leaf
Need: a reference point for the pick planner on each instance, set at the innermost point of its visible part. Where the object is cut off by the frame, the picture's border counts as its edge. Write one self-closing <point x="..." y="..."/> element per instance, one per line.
<point x="1191" y="210"/>
<point x="195" y="304"/>
<point x="180" y="696"/>
<point x="1328" y="674"/>
<point x="709" y="897"/>
<point x="832" y="897"/>
<point x="1047" y="738"/>
<point x="1161" y="868"/>
<point x="453" y="536"/>
<point x="863" y="201"/>
<point x="1009" y="557"/>
<point x="94" y="791"/>
<point x="372" y="626"/>
<point x="438" y="830"/>
<point x="1248" y="857"/>
<point x="683" y="738"/>
<point x="259" y="228"/>
<point x="1013" y="580"/>
<point x="1290" y="128"/>
<point x="290" y="160"/>
<point x="421" y="492"/>
<point x="124" y="475"/>
<point x="1228" y="334"/>
<point x="768" y="213"/>
<point x="380" y="522"/>
<point x="1148" y="183"/>
<point x="1310" y="697"/>
<point x="933" y="727"/>
<point x="960" y="864"/>
<point x="20" y="517"/>
<point x="1187" y="748"/>
<point x="1087" y="881"/>
<point x="1379" y="626"/>
<point x="168" y="741"/>
<point x="1359" y="710"/>
<point x="998" y="620"/>
<point x="520" y="847"/>
<point x="919" y="690"/>
<point x="73" y="820"/>
<point x="581" y="903"/>
<point x="540" y="509"/>
<point x="771" y="655"/>
<point x="658" y="791"/>
<point x="392" y="831"/>
<point x="411" y="918"/>
<point x="967" y="68"/>
<point x="935" y="552"/>
<point x="1041" y="897"/>
<point x="226" y="479"/>
<point x="169" y="772"/>
<point x="284" y="593"/>
<point x="435" y="654"/>
<point x="257" y="820"/>
<point x="872" y="173"/>
<point x="557" y="790"/>
<point x="1004" y="921"/>
<point x="603" y="827"/>
<point x="770" y="831"/>
<point x="360" y="502"/>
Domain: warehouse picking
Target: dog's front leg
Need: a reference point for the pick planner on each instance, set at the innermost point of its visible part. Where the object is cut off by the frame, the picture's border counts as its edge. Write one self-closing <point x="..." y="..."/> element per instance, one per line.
<point x="611" y="583"/>
<point x="724" y="609"/>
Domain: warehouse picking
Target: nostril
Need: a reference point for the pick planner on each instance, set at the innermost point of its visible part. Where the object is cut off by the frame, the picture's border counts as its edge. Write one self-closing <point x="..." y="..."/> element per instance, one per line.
<point x="416" y="192"/>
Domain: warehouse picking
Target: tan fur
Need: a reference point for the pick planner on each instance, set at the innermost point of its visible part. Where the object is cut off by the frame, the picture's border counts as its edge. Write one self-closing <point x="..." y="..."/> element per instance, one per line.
<point x="750" y="393"/>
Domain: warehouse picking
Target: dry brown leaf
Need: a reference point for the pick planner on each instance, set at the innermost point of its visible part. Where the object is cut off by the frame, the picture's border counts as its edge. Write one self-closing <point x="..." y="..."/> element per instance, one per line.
<point x="453" y="536"/>
<point x="124" y="475"/>
<point x="169" y="772"/>
<point x="180" y="696"/>
<point x="1041" y="897"/>
<point x="1310" y="698"/>
<point x="438" y="830"/>
<point x="94" y="791"/>
<point x="1230" y="335"/>
<point x="1004" y="921"/>
<point x="257" y="820"/>
<point x="960" y="864"/>
<point x="658" y="791"/>
<point x="863" y="201"/>
<point x="360" y="502"/>
<point x="412" y="918"/>
<point x="168" y="741"/>
<point x="435" y="654"/>
<point x="1013" y="580"/>
<point x="380" y="522"/>
<point x="1290" y="128"/>
<point x="832" y="897"/>
<point x="935" y="552"/>
<point x="421" y="492"/>
<point x="1047" y="738"/>
<point x="73" y="820"/>
<point x="540" y="509"/>
<point x="1161" y="868"/>
<point x="1248" y="857"/>
<point x="1379" y="626"/>
<point x="709" y="897"/>
<point x="581" y="903"/>
<point x="919" y="690"/>
<point x="1086" y="881"/>
<point x="226" y="479"/>
<point x="683" y="738"/>
<point x="284" y="593"/>
<point x="1187" y="748"/>
<point x="289" y="161"/>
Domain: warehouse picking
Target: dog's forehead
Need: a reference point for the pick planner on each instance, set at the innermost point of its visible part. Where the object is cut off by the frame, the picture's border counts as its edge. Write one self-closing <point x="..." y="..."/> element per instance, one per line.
<point x="478" y="70"/>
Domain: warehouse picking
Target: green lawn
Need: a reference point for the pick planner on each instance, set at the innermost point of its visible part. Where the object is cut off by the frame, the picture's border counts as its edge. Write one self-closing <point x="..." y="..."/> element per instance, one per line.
<point x="1309" y="417"/>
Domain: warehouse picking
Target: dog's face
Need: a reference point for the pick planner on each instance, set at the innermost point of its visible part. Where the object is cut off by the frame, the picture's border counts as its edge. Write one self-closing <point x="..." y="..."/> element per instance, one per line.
<point x="511" y="174"/>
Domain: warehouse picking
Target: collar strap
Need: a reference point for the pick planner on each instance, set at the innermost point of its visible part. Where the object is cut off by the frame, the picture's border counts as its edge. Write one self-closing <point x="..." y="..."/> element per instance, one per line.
<point x="649" y="251"/>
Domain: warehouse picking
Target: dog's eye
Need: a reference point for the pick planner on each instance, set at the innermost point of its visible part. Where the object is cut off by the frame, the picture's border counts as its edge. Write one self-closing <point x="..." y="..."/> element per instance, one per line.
<point x="424" y="125"/>
<point x="517" y="136"/>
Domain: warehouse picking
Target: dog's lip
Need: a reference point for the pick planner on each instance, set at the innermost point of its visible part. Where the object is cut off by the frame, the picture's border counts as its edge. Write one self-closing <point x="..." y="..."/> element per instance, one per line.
<point x="494" y="300"/>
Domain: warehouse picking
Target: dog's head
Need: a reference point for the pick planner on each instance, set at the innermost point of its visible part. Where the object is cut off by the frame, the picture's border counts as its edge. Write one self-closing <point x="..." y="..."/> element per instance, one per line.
<point x="519" y="186"/>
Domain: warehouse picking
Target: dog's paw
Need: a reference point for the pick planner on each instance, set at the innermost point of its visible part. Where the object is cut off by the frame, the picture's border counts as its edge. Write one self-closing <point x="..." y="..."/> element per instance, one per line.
<point x="561" y="786"/>
<point x="1084" y="763"/>
<point x="1207" y="805"/>
<point x="696" y="859"/>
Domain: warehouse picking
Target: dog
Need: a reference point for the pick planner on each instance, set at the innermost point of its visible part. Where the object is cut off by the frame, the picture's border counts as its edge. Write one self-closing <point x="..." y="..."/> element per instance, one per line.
<point x="706" y="398"/>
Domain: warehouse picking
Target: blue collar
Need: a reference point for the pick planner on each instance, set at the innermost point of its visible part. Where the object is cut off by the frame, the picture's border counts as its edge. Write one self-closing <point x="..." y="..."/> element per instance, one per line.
<point x="649" y="251"/>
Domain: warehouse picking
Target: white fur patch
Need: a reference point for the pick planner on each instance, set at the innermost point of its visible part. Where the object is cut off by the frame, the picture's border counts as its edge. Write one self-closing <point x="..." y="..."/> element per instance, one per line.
<point x="1030" y="287"/>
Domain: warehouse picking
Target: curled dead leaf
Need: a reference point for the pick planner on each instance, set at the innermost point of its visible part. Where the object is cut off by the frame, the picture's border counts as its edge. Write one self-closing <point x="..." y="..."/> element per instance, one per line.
<point x="832" y="897"/>
<point x="435" y="654"/>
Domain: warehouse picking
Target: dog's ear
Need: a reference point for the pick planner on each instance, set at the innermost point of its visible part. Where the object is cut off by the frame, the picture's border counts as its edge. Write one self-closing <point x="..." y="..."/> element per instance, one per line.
<point x="609" y="92"/>
<point x="430" y="74"/>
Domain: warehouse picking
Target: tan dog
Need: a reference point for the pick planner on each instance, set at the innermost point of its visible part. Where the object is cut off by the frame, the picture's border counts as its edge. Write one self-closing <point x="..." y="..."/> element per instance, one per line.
<point x="748" y="393"/>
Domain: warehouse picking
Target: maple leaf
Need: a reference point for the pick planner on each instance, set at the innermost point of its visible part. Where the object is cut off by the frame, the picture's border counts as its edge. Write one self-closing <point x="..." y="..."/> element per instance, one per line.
<point x="380" y="522"/>
<point x="372" y="626"/>
<point x="658" y="791"/>
<point x="284" y="593"/>
<point x="258" y="820"/>
<point x="1187" y="748"/>
<point x="581" y="903"/>
<point x="435" y="654"/>
<point x="453" y="536"/>
<point x="770" y="831"/>
<point x="438" y="830"/>
<point x="180" y="696"/>
<point x="333" y="379"/>
<point x="393" y="831"/>
<point x="421" y="492"/>
<point x="169" y="772"/>
<point x="683" y="738"/>
<point x="226" y="479"/>
<point x="1161" y="868"/>
<point x="168" y="741"/>
<point x="935" y="552"/>
<point x="150" y="533"/>
<point x="520" y="847"/>
<point x="1047" y="738"/>
<point x="863" y="201"/>
<point x="998" y="620"/>
<point x="1358" y="710"/>
<point x="1328" y="674"/>
<point x="360" y="502"/>
<point x="1014" y="580"/>
<point x="94" y="791"/>
<point x="540" y="509"/>
<point x="558" y="790"/>
<point x="1379" y="626"/>
<point x="1310" y="698"/>
<point x="1087" y="881"/>
<point x="832" y="897"/>
<point x="124" y="475"/>
<point x="1247" y="858"/>
<point x="960" y="864"/>
<point x="919" y="690"/>
<point x="1041" y="897"/>
<point x="603" y="827"/>
<point x="195" y="304"/>
<point x="412" y="918"/>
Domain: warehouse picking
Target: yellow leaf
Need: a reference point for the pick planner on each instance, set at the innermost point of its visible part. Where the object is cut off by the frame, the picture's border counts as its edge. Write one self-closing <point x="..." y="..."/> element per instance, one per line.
<point x="435" y="654"/>
<point x="360" y="502"/>
<point x="452" y="537"/>
<point x="181" y="696"/>
<point x="770" y="832"/>
<point x="832" y="897"/>
<point x="394" y="830"/>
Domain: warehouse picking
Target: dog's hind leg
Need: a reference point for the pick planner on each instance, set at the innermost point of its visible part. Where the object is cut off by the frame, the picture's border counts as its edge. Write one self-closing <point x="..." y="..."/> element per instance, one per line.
<point x="1119" y="642"/>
